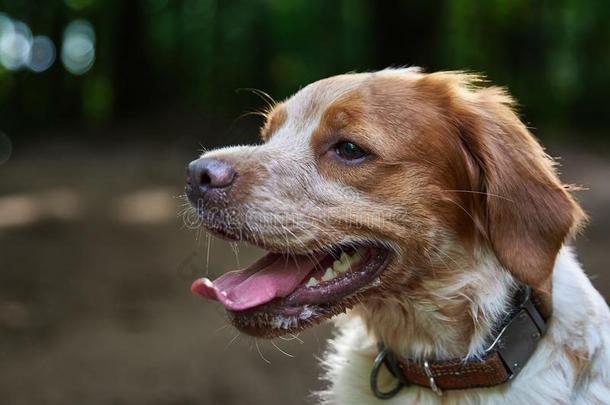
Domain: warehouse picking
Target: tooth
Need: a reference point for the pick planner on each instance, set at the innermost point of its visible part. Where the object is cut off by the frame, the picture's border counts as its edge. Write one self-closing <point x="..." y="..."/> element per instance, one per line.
<point x="329" y="275"/>
<point x="312" y="282"/>
<point x="344" y="257"/>
<point x="340" y="267"/>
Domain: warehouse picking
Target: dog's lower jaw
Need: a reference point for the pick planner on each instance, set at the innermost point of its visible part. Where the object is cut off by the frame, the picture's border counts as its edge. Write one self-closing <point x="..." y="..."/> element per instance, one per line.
<point x="446" y="313"/>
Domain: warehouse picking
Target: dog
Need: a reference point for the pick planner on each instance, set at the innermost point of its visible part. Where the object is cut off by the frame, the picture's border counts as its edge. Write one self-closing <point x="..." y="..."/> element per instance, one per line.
<point x="419" y="211"/>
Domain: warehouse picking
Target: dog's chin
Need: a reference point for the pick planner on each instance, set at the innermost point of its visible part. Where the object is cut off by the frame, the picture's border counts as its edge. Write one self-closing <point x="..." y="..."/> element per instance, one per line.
<point x="284" y="293"/>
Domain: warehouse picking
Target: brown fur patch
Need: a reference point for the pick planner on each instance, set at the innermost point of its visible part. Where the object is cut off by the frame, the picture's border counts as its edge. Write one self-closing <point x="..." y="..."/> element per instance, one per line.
<point x="275" y="119"/>
<point x="527" y="212"/>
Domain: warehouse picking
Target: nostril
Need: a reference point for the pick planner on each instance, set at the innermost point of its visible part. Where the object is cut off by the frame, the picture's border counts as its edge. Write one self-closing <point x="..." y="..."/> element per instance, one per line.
<point x="205" y="179"/>
<point x="207" y="173"/>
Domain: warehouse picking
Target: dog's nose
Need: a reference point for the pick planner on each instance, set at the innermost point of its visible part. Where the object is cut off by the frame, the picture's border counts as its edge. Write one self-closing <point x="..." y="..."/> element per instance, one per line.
<point x="207" y="173"/>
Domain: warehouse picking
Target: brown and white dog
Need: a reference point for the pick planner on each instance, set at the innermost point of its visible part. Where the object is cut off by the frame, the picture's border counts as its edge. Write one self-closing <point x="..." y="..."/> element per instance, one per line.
<point x="418" y="204"/>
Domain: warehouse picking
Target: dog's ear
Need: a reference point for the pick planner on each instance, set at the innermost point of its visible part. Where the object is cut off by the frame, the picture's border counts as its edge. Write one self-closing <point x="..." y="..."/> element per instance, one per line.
<point x="524" y="210"/>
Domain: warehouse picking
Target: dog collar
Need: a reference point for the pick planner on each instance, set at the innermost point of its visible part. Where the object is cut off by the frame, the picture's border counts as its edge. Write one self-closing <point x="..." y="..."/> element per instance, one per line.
<point x="501" y="362"/>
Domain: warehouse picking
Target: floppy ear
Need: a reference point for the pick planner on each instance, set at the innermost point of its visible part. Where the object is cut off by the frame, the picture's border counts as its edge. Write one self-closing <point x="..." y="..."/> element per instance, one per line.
<point x="524" y="210"/>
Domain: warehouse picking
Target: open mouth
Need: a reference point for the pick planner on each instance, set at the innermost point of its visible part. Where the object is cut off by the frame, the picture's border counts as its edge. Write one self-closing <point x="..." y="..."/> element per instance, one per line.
<point x="281" y="294"/>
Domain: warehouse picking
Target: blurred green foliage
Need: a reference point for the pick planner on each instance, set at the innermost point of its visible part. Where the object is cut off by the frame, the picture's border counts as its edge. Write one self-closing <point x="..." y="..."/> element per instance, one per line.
<point x="193" y="54"/>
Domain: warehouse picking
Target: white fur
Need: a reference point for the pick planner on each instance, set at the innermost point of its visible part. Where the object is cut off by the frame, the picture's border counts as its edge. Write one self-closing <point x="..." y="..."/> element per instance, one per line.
<point x="580" y="322"/>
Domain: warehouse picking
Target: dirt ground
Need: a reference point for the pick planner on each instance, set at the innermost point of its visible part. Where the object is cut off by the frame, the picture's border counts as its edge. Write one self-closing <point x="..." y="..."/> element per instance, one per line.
<point x="95" y="270"/>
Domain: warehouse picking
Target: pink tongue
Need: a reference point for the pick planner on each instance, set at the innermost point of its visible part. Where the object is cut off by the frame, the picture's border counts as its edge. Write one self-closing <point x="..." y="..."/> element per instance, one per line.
<point x="270" y="277"/>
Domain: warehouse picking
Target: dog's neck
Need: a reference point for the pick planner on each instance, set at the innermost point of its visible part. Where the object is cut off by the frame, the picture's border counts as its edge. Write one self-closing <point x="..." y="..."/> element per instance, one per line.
<point x="442" y="313"/>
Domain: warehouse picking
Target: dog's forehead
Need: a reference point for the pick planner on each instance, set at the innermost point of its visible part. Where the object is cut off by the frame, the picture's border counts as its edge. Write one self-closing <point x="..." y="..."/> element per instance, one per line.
<point x="291" y="125"/>
<point x="310" y="102"/>
<point x="304" y="109"/>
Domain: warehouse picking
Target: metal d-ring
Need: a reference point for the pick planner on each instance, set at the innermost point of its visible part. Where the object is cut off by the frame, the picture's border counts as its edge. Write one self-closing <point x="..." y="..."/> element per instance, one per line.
<point x="386" y="357"/>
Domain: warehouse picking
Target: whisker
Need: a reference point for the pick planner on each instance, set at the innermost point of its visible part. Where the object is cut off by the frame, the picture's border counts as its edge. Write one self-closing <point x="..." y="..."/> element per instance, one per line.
<point x="207" y="254"/>
<point x="292" y="337"/>
<point x="222" y="328"/>
<point x="235" y="249"/>
<point x="480" y="192"/>
<point x="259" y="352"/>
<point x="231" y="341"/>
<point x="263" y="95"/>
<point x="282" y="351"/>
<point x="463" y="209"/>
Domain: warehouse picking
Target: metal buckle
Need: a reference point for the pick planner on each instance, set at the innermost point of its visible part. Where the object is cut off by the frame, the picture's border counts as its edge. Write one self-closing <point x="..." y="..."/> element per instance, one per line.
<point x="387" y="358"/>
<point x="519" y="338"/>
<point x="430" y="376"/>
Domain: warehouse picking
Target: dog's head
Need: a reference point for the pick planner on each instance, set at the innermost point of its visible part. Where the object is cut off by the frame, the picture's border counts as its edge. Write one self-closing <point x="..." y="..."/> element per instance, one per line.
<point x="365" y="182"/>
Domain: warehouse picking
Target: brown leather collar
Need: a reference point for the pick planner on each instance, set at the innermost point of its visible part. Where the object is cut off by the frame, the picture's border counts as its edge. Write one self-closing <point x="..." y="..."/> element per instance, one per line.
<point x="505" y="358"/>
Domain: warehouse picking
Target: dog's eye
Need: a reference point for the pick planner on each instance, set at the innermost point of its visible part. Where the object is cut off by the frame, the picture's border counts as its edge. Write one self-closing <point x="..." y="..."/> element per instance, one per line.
<point x="349" y="151"/>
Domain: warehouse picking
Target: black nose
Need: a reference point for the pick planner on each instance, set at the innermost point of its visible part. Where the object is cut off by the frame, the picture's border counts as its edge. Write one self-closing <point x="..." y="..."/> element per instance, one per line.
<point x="207" y="173"/>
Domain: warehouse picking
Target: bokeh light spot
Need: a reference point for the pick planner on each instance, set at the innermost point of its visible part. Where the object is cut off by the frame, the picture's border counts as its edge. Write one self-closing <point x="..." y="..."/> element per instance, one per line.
<point x="152" y="206"/>
<point x="15" y="43"/>
<point x="6" y="25"/>
<point x="42" y="54"/>
<point x="78" y="48"/>
<point x="19" y="210"/>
